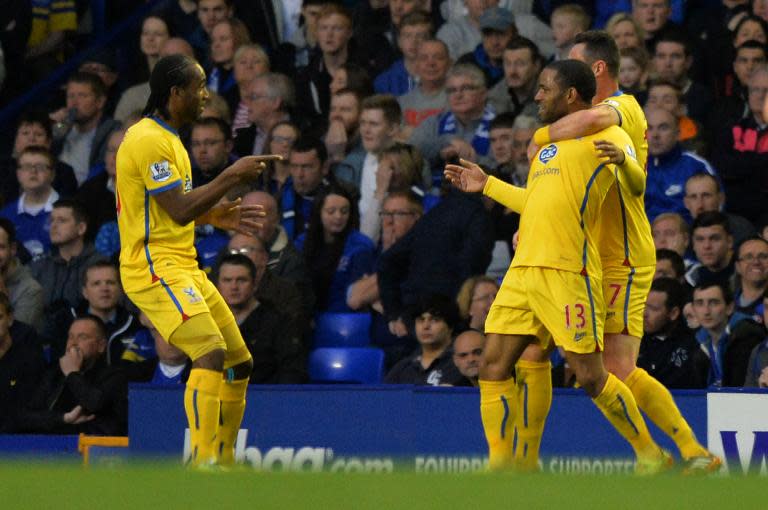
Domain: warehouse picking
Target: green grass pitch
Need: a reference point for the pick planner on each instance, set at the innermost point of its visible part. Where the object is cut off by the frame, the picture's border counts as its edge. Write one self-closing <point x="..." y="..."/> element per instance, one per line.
<point x="41" y="486"/>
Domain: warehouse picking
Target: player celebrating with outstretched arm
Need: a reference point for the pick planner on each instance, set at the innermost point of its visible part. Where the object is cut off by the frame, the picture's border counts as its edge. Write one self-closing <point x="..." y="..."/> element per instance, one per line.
<point x="157" y="211"/>
<point x="556" y="293"/>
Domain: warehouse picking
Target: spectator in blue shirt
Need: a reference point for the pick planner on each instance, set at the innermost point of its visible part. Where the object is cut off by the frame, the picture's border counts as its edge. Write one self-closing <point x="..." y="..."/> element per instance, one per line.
<point x="400" y="78"/>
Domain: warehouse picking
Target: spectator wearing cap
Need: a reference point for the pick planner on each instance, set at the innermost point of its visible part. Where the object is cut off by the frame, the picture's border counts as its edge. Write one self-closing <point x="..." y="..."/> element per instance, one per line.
<point x="401" y="77"/>
<point x="462" y="35"/>
<point x="434" y="319"/>
<point x="497" y="28"/>
<point x="515" y="93"/>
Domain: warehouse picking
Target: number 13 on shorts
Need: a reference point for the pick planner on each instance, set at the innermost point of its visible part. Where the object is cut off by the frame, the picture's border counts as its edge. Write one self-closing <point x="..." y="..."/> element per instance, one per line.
<point x="575" y="315"/>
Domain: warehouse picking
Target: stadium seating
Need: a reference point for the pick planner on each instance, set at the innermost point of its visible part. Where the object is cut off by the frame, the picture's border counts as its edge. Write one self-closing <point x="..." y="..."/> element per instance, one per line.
<point x="362" y="365"/>
<point x="342" y="330"/>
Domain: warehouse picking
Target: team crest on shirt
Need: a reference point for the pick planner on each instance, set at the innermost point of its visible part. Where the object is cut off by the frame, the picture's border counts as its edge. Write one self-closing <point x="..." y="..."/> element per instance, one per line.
<point x="161" y="171"/>
<point x="547" y="153"/>
<point x="192" y="295"/>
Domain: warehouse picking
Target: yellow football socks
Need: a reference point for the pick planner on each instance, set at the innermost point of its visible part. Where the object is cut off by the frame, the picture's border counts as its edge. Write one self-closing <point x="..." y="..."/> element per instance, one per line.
<point x="619" y="407"/>
<point x="232" y="397"/>
<point x="201" y="402"/>
<point x="656" y="401"/>
<point x="497" y="412"/>
<point x="534" y="398"/>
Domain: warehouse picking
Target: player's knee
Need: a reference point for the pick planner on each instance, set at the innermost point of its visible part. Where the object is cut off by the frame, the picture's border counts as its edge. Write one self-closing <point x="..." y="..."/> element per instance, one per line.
<point x="213" y="360"/>
<point x="592" y="382"/>
<point x="619" y="366"/>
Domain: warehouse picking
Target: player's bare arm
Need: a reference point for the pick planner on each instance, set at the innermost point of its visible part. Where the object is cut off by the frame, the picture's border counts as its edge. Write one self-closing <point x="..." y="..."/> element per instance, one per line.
<point x="629" y="167"/>
<point x="184" y="208"/>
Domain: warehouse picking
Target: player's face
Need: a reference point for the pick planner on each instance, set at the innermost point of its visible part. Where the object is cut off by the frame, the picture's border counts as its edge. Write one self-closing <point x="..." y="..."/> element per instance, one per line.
<point x="334" y="214"/>
<point x="625" y="35"/>
<point x="482" y="297"/>
<point x="710" y="309"/>
<point x="333" y="33"/>
<point x="468" y="353"/>
<point x="235" y="284"/>
<point x="668" y="234"/>
<point x="501" y="145"/>
<point x="7" y="251"/>
<point x="746" y="61"/>
<point x="102" y="288"/>
<point x="34" y="173"/>
<point x="651" y="15"/>
<point x="655" y="316"/>
<point x="433" y="62"/>
<point x="222" y="44"/>
<point x="209" y="148"/>
<point x="64" y="227"/>
<point x="662" y="132"/>
<point x="193" y="96"/>
<point x="375" y="130"/>
<point x="154" y="33"/>
<point x="210" y="12"/>
<point x="30" y="134"/>
<point x="409" y="39"/>
<point x="520" y="69"/>
<point x="84" y="336"/>
<point x="665" y="269"/>
<point x="345" y="108"/>
<point x="306" y="171"/>
<point x="712" y="246"/>
<point x="550" y="97"/>
<point x="432" y="331"/>
<point x="248" y="65"/>
<point x="701" y="195"/>
<point x="397" y="218"/>
<point x="110" y="156"/>
<point x="670" y="61"/>
<point x="752" y="262"/>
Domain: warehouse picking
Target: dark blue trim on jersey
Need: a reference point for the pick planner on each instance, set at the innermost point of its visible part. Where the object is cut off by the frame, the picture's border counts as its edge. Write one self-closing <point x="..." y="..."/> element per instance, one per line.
<point x="626" y="413"/>
<point x="146" y="234"/>
<point x="506" y="415"/>
<point x="525" y="405"/>
<point x="583" y="207"/>
<point x="592" y="309"/>
<point x="168" y="186"/>
<point x="194" y="407"/>
<point x="164" y="124"/>
<point x="173" y="298"/>
<point x="618" y="93"/>
<point x="626" y="298"/>
<point x="623" y="218"/>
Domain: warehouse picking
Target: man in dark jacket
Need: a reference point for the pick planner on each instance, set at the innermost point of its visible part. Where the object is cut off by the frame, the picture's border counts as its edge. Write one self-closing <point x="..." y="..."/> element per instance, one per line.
<point x="80" y="393"/>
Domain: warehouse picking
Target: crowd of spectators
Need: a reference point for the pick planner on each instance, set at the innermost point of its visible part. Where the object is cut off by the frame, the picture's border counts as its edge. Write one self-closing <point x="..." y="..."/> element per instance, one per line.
<point x="366" y="101"/>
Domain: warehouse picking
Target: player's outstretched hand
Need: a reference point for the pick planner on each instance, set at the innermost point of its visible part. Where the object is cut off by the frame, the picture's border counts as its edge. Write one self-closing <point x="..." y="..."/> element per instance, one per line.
<point x="608" y="152"/>
<point x="231" y="215"/>
<point x="466" y="176"/>
<point x="249" y="167"/>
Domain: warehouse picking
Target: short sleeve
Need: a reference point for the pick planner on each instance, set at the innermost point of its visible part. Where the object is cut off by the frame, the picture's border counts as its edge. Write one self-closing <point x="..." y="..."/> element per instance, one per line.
<point x="157" y="166"/>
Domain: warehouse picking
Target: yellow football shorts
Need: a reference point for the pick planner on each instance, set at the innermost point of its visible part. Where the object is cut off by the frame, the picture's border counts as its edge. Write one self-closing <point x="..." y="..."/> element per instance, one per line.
<point x="550" y="304"/>
<point x="170" y="302"/>
<point x="625" y="290"/>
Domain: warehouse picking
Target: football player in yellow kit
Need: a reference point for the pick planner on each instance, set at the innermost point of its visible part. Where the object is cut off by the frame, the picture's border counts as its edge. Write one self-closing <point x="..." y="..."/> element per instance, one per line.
<point x="550" y="292"/>
<point x="157" y="211"/>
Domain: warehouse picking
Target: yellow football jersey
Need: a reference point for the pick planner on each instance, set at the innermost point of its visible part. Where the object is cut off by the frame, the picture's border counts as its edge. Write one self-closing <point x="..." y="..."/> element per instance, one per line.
<point x="150" y="160"/>
<point x="625" y="234"/>
<point x="567" y="184"/>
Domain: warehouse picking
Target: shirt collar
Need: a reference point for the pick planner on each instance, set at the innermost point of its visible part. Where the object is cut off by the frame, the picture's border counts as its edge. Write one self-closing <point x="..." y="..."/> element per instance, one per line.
<point x="48" y="207"/>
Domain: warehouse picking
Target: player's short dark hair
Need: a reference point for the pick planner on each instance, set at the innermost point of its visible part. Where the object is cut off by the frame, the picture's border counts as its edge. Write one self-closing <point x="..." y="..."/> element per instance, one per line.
<point x="504" y="120"/>
<point x="307" y="143"/>
<point x="9" y="228"/>
<point x="599" y="45"/>
<point x="674" y="290"/>
<point x="78" y="210"/>
<point x="678" y="264"/>
<point x="724" y="289"/>
<point x="439" y="306"/>
<point x="711" y="219"/>
<point x="100" y="263"/>
<point x="171" y="71"/>
<point x="90" y="79"/>
<point x="575" y="74"/>
<point x="238" y="259"/>
<point x="39" y="118"/>
<point x="523" y="43"/>
<point x="100" y="326"/>
<point x="387" y="104"/>
<point x="215" y="122"/>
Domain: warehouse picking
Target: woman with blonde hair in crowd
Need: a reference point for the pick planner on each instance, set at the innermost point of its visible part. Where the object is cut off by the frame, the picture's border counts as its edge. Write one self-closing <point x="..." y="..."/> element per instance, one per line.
<point x="250" y="61"/>
<point x="625" y="31"/>
<point x="474" y="299"/>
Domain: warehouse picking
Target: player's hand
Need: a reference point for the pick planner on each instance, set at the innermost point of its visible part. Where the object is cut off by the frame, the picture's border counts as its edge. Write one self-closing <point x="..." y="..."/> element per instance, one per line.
<point x="250" y="167"/>
<point x="533" y="149"/>
<point x="72" y="361"/>
<point x="77" y="416"/>
<point x="466" y="176"/>
<point x="608" y="152"/>
<point x="231" y="215"/>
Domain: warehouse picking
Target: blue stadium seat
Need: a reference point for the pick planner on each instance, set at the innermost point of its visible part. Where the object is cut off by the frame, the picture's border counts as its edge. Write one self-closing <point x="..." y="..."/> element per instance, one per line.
<point x="362" y="365"/>
<point x="342" y="330"/>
